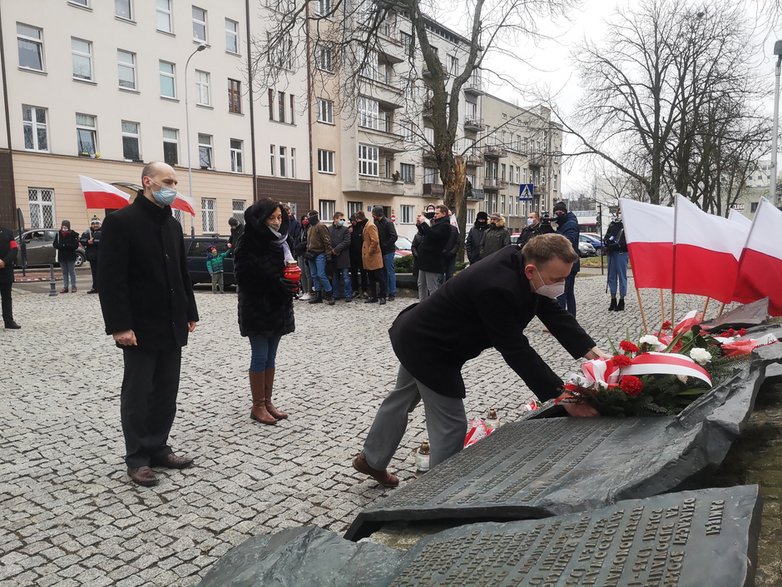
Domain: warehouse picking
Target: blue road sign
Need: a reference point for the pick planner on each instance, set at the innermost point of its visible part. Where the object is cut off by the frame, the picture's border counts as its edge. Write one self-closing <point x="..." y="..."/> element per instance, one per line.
<point x="526" y="191"/>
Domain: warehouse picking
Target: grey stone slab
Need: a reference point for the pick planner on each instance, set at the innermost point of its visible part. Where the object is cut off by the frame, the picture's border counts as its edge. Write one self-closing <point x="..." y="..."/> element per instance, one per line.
<point x="551" y="466"/>
<point x="744" y="316"/>
<point x="688" y="539"/>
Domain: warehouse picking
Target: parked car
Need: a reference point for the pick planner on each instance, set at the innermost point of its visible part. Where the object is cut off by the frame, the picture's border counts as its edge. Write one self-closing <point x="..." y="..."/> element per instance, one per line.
<point x="404" y="247"/>
<point x="38" y="247"/>
<point x="585" y="249"/>
<point x="197" y="248"/>
<point x="593" y="239"/>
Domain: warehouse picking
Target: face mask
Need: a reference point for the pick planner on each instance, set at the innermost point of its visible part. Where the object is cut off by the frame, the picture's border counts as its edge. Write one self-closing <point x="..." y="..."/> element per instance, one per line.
<point x="549" y="290"/>
<point x="429" y="215"/>
<point x="530" y="221"/>
<point x="341" y="223"/>
<point x="165" y="196"/>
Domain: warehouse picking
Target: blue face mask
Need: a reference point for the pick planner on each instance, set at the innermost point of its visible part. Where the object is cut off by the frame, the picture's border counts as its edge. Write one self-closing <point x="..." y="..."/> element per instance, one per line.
<point x="165" y="196"/>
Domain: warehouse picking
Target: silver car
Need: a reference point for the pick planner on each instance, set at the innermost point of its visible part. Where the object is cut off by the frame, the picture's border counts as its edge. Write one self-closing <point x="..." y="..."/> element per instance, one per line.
<point x="37" y="246"/>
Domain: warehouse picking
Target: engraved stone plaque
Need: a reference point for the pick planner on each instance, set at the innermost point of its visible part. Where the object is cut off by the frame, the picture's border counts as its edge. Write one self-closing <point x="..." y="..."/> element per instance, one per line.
<point x="543" y="467"/>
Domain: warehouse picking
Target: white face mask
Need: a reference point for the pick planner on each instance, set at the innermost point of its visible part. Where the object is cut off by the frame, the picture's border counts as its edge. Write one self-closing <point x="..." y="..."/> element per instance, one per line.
<point x="549" y="290"/>
<point x="530" y="221"/>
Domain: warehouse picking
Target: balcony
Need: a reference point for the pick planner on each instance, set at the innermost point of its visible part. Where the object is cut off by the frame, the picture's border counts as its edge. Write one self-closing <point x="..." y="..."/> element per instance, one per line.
<point x="475" y="195"/>
<point x="537" y="160"/>
<point x="386" y="91"/>
<point x="385" y="141"/>
<point x="473" y="158"/>
<point x="495" y="151"/>
<point x="434" y="190"/>
<point x="384" y="186"/>
<point x="471" y="123"/>
<point x="473" y="86"/>
<point x="494" y="184"/>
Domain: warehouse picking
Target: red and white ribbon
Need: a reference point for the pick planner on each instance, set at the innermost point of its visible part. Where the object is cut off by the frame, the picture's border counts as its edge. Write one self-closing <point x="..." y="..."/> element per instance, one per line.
<point x="605" y="373"/>
<point x="690" y="319"/>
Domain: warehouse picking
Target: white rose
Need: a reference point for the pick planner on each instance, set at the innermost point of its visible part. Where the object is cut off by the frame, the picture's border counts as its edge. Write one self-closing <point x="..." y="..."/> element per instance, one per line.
<point x="652" y="341"/>
<point x="700" y="356"/>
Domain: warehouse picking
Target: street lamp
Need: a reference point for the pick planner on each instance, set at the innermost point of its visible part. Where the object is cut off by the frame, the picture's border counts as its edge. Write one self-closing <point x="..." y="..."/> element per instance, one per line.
<point x="775" y="127"/>
<point x="200" y="47"/>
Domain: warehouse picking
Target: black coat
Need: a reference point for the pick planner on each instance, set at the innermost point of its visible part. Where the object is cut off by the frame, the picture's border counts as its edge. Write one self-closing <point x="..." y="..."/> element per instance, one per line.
<point x="615" y="240"/>
<point x="144" y="282"/>
<point x="265" y="304"/>
<point x="8" y="251"/>
<point x="487" y="305"/>
<point x="567" y="226"/>
<point x="91" y="250"/>
<point x="431" y="250"/>
<point x="472" y="246"/>
<point x="340" y="244"/>
<point x="66" y="244"/>
<point x="356" y="243"/>
<point x="529" y="231"/>
<point x="386" y="231"/>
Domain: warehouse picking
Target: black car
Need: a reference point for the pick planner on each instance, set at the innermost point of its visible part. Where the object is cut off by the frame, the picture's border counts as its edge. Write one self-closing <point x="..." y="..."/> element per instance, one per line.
<point x="38" y="247"/>
<point x="197" y="248"/>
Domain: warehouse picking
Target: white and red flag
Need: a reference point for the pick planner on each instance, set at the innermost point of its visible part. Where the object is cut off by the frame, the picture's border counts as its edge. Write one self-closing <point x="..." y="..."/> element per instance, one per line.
<point x="760" y="266"/>
<point x="706" y="252"/>
<point x="736" y="216"/>
<point x="182" y="202"/>
<point x="99" y="194"/>
<point x="649" y="234"/>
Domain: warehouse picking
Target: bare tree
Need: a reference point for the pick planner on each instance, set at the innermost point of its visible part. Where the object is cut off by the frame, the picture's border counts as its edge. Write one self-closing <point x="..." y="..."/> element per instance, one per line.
<point x="355" y="34"/>
<point x="670" y="100"/>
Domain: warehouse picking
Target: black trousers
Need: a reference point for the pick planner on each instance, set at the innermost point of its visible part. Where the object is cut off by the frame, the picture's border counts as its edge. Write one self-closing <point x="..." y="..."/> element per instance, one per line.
<point x="378" y="277"/>
<point x="94" y="271"/>
<point x="148" y="402"/>
<point x="5" y="294"/>
<point x="358" y="279"/>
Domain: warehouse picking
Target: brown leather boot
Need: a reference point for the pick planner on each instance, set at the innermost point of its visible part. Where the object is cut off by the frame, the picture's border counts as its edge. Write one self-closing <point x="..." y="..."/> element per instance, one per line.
<point x="258" y="388"/>
<point x="269" y="405"/>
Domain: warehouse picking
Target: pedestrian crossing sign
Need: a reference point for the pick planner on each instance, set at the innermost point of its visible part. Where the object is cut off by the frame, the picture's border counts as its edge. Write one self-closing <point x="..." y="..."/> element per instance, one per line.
<point x="525" y="192"/>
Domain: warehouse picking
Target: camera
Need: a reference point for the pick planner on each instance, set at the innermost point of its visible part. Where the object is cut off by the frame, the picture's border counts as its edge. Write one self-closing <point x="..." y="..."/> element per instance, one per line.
<point x="545" y="218"/>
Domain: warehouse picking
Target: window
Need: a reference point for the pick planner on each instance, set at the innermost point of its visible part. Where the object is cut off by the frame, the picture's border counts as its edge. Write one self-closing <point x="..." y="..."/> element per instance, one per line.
<point x="231" y="36"/>
<point x="470" y="216"/>
<point x="293" y="107"/>
<point x="281" y="106"/>
<point x="36" y="132"/>
<point x="283" y="161"/>
<point x="407" y="132"/>
<point x="167" y="80"/>
<point x="163" y="19"/>
<point x="407" y="42"/>
<point x="199" y="24"/>
<point x="280" y="50"/>
<point x="429" y="134"/>
<point x="234" y="96"/>
<point x="81" y="57"/>
<point x="237" y="158"/>
<point x="208" y="214"/>
<point x="325" y="161"/>
<point x="41" y="201"/>
<point x="177" y="214"/>
<point x="408" y="214"/>
<point x="293" y="162"/>
<point x="323" y="7"/>
<point x="431" y="175"/>
<point x="453" y="64"/>
<point x="327" y="208"/>
<point x="368" y="160"/>
<point x="86" y="134"/>
<point x="205" y="151"/>
<point x="271" y="103"/>
<point x="369" y="114"/>
<point x="407" y="172"/>
<point x="124" y="9"/>
<point x="273" y="158"/>
<point x="84" y="3"/>
<point x="171" y="146"/>
<point x="238" y="209"/>
<point x="203" y="97"/>
<point x="29" y="40"/>
<point x="131" y="149"/>
<point x="503" y="170"/>
<point x="126" y="69"/>
<point x="323" y="58"/>
<point x="354" y="207"/>
<point x="325" y="111"/>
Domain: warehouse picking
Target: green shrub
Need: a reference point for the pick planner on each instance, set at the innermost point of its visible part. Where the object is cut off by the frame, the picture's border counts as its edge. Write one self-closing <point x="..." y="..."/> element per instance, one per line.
<point x="404" y="264"/>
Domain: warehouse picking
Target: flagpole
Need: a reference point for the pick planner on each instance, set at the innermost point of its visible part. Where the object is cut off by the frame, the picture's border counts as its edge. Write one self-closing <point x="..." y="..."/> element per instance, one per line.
<point x="673" y="308"/>
<point x="662" y="306"/>
<point x="706" y="306"/>
<point x="722" y="307"/>
<point x="643" y="314"/>
<point x="673" y="269"/>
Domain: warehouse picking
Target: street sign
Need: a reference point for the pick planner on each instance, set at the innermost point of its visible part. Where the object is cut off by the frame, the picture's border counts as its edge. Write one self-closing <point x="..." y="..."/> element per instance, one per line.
<point x="526" y="191"/>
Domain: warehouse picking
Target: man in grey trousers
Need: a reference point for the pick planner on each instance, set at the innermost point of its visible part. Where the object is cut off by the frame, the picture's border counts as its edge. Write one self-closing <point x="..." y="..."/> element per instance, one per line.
<point x="432" y="347"/>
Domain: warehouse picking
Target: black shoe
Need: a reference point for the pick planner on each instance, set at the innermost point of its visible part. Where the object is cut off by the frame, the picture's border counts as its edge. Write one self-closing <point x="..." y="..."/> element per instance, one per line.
<point x="612" y="307"/>
<point x="621" y="305"/>
<point x="329" y="299"/>
<point x="355" y="295"/>
<point x="12" y="326"/>
<point x="391" y="298"/>
<point x="370" y="301"/>
<point x="318" y="299"/>
<point x="92" y="291"/>
<point x="382" y="301"/>
<point x="348" y="299"/>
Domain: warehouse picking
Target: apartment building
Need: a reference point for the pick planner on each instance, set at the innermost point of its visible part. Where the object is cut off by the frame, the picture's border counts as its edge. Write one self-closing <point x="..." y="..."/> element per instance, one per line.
<point x="98" y="88"/>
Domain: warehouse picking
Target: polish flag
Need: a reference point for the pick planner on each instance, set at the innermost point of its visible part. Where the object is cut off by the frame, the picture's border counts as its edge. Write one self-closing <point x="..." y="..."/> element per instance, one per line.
<point x="182" y="202"/>
<point x="706" y="252"/>
<point x="736" y="216"/>
<point x="649" y="234"/>
<point x="760" y="267"/>
<point x="99" y="194"/>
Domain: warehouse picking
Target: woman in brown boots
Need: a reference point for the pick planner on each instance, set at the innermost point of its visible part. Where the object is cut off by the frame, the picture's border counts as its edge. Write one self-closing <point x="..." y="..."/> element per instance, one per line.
<point x="265" y="298"/>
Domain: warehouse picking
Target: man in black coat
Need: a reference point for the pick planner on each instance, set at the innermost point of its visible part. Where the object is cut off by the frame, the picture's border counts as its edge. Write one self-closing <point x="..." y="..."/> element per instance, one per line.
<point x="149" y="308"/>
<point x="430" y="251"/>
<point x="8" y="251"/>
<point x="90" y="241"/>
<point x="495" y="299"/>
<point x="567" y="226"/>
<point x="386" y="231"/>
<point x="472" y="246"/>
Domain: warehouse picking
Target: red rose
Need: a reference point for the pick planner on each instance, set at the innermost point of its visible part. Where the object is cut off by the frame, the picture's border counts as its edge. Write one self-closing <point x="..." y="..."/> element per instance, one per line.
<point x="628" y="347"/>
<point x="666" y="325"/>
<point x="631" y="385"/>
<point x="621" y="360"/>
<point x="741" y="331"/>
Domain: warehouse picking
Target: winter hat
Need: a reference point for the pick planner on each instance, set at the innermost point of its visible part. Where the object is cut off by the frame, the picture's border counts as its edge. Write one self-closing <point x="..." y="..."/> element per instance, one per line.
<point x="66" y="223"/>
<point x="481" y="216"/>
<point x="560" y="206"/>
<point x="378" y="211"/>
<point x="232" y="221"/>
<point x="95" y="220"/>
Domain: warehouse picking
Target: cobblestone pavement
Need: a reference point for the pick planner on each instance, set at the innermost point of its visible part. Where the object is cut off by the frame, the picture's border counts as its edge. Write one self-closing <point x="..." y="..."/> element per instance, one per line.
<point x="70" y="516"/>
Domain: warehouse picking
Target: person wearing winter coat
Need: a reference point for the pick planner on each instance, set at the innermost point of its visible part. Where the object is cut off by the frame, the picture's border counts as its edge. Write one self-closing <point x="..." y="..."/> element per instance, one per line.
<point x="66" y="241"/>
<point x="615" y="243"/>
<point x="265" y="299"/>
<point x="430" y="251"/>
<point x="472" y="246"/>
<point x="372" y="260"/>
<point x="567" y="226"/>
<point x="359" y="281"/>
<point x="534" y="228"/>
<point x="90" y="242"/>
<point x="387" y="234"/>
<point x="299" y="253"/>
<point x="340" y="256"/>
<point x="495" y="237"/>
<point x="214" y="265"/>
<point x="9" y="249"/>
<point x="318" y="253"/>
